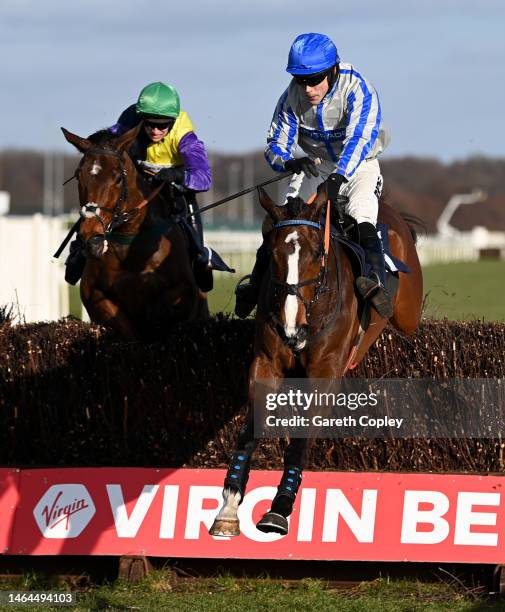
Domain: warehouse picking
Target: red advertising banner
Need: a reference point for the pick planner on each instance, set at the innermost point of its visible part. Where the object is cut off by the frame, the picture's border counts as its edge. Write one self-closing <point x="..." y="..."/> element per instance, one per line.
<point x="9" y="502"/>
<point x="337" y="516"/>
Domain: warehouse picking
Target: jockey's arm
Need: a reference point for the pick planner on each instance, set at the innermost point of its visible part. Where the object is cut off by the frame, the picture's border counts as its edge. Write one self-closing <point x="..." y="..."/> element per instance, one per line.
<point x="283" y="134"/>
<point x="197" y="173"/>
<point x="362" y="126"/>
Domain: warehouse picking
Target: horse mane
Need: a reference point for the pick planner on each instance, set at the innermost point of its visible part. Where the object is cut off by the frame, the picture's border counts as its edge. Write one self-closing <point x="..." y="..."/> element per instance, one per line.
<point x="295" y="206"/>
<point x="101" y="138"/>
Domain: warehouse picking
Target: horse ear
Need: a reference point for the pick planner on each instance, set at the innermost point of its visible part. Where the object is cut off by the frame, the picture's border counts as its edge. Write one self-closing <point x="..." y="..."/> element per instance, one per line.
<point x="81" y="144"/>
<point x="269" y="205"/>
<point x="320" y="200"/>
<point x="124" y="141"/>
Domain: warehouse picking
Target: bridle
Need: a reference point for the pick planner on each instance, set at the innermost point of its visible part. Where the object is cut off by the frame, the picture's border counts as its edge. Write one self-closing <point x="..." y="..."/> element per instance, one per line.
<point x="321" y="282"/>
<point x="118" y="215"/>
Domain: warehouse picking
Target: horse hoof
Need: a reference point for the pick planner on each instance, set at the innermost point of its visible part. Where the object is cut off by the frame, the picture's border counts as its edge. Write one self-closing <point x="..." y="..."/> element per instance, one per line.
<point x="225" y="528"/>
<point x="273" y="523"/>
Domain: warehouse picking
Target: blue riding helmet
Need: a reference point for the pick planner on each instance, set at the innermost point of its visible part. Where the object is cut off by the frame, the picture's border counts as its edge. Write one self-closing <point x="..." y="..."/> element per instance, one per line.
<point x="311" y="53"/>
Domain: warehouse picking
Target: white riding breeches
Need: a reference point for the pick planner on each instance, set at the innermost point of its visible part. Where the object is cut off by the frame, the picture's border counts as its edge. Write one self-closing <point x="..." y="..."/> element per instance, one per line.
<point x="363" y="189"/>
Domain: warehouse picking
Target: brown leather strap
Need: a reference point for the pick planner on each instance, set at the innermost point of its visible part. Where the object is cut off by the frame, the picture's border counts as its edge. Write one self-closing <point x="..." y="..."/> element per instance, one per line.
<point x="151" y="196"/>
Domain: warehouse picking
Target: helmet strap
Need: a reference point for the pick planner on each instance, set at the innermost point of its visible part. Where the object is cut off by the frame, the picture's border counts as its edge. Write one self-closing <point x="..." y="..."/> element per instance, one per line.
<point x="333" y="76"/>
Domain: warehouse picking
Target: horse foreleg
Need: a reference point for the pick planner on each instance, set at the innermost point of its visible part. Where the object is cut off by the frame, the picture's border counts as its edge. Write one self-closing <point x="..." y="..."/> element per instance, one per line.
<point x="105" y="312"/>
<point x="276" y="519"/>
<point x="226" y="522"/>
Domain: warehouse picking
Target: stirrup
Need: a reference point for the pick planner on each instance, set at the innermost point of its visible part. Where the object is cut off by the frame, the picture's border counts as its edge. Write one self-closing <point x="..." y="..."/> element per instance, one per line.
<point x="239" y="285"/>
<point x="245" y="297"/>
<point x="373" y="291"/>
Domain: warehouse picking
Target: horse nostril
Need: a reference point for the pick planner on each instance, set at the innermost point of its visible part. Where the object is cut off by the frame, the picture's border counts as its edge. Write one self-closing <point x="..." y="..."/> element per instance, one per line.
<point x="96" y="245"/>
<point x="302" y="334"/>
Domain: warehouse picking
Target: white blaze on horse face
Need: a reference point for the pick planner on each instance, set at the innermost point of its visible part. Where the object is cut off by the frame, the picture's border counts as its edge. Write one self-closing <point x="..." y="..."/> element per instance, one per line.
<point x="291" y="305"/>
<point x="96" y="168"/>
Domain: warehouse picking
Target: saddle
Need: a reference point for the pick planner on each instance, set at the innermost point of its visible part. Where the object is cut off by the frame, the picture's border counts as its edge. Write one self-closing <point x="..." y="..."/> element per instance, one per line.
<point x="345" y="232"/>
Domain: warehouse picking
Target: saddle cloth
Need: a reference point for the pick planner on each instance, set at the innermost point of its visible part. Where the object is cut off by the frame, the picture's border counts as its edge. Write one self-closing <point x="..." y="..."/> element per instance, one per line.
<point x="357" y="254"/>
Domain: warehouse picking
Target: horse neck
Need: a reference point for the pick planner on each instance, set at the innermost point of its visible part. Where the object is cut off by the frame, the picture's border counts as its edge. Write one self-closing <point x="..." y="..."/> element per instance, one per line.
<point x="136" y="201"/>
<point x="334" y="302"/>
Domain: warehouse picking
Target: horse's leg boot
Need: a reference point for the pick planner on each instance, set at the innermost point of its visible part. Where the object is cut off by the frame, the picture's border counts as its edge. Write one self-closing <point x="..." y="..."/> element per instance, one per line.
<point x="76" y="261"/>
<point x="238" y="472"/>
<point x="372" y="288"/>
<point x="226" y="522"/>
<point x="246" y="294"/>
<point x="275" y="520"/>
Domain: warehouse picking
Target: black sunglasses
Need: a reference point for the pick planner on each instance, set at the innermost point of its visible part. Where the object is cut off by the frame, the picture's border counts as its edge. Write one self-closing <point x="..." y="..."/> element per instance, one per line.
<point x="159" y="126"/>
<point x="311" y="79"/>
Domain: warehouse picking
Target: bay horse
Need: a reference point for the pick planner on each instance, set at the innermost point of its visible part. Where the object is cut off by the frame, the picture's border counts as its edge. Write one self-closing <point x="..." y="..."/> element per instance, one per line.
<point x="308" y="316"/>
<point x="138" y="275"/>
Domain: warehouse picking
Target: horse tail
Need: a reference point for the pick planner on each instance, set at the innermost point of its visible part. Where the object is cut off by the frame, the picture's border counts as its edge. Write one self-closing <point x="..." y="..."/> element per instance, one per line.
<point x="416" y="225"/>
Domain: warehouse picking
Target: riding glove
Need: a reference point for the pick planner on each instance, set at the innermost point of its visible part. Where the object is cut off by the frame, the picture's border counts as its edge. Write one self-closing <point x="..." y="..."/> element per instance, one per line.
<point x="333" y="184"/>
<point x="303" y="164"/>
<point x="171" y="175"/>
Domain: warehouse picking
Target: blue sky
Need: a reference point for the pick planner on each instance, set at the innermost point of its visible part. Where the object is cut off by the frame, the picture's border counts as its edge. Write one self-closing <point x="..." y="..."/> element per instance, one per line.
<point x="438" y="66"/>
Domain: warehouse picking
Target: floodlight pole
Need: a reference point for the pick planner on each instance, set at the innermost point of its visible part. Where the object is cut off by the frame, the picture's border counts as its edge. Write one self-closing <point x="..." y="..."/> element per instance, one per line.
<point x="444" y="228"/>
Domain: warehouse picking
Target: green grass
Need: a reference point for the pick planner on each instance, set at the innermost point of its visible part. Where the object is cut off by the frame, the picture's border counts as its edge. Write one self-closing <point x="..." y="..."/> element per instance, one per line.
<point x="160" y="592"/>
<point x="458" y="291"/>
<point x="465" y="291"/>
<point x="222" y="297"/>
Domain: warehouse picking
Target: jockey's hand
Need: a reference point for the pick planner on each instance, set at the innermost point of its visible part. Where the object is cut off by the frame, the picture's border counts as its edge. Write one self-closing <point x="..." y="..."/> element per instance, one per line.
<point x="171" y="175"/>
<point x="333" y="184"/>
<point x="303" y="164"/>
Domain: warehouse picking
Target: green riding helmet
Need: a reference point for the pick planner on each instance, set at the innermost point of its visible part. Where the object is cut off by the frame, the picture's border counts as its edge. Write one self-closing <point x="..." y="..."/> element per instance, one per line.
<point x="159" y="100"/>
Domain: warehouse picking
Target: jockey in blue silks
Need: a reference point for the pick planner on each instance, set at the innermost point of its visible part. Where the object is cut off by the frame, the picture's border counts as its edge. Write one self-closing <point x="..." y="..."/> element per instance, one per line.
<point x="331" y="112"/>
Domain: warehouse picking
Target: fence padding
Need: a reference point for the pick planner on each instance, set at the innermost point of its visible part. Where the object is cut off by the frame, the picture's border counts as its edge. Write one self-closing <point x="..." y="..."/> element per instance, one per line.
<point x="73" y="395"/>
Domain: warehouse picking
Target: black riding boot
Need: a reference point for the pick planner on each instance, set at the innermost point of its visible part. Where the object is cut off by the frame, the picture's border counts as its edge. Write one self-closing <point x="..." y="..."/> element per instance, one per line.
<point x="76" y="260"/>
<point x="248" y="293"/>
<point x="203" y="274"/>
<point x="373" y="287"/>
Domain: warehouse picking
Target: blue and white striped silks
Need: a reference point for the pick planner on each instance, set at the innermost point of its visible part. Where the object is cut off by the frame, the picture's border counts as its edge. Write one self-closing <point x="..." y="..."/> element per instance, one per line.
<point x="344" y="128"/>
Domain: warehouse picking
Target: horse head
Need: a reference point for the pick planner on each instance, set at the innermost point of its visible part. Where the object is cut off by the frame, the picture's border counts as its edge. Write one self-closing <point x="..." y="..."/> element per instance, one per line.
<point x="298" y="264"/>
<point x="104" y="175"/>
